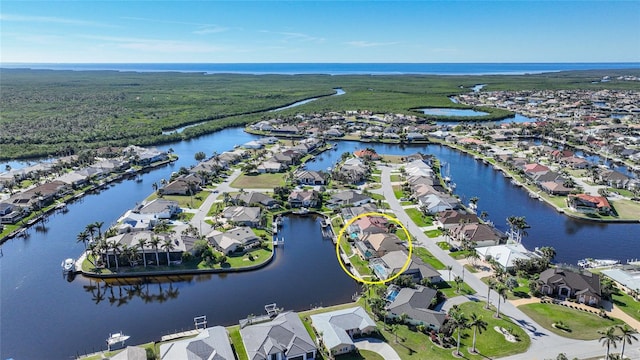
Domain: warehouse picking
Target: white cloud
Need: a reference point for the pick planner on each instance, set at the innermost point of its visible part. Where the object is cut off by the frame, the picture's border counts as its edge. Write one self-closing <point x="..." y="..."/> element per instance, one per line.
<point x="295" y="36"/>
<point x="369" y="43"/>
<point x="210" y="29"/>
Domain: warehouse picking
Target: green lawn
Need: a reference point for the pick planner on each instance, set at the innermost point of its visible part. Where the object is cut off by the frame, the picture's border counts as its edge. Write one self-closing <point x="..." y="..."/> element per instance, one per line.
<point x="419" y="218"/>
<point x="448" y="288"/>
<point x="406" y="203"/>
<point x="433" y="233"/>
<point x="583" y="325"/>
<point x="428" y="258"/>
<point x="185" y="201"/>
<point x="236" y="341"/>
<point x="259" y="255"/>
<point x="260" y="181"/>
<point x="397" y="191"/>
<point x="360" y="355"/>
<point x="627" y="304"/>
<point x="396" y="178"/>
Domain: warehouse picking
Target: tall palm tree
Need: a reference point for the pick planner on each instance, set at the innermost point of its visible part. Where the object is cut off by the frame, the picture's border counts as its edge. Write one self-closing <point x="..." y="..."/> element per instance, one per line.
<point x="449" y="268"/>
<point x="142" y="242"/>
<point x="91" y="229"/>
<point x="459" y="322"/>
<point x="478" y="325"/>
<point x="83" y="237"/>
<point x="98" y="226"/>
<point x="501" y="291"/>
<point x="627" y="336"/>
<point x="155" y="241"/>
<point x="117" y="249"/>
<point x="608" y="338"/>
<point x="167" y="245"/>
<point x="458" y="280"/>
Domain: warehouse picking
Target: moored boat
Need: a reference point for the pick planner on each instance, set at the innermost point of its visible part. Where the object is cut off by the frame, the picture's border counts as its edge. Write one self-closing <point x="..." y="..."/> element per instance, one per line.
<point x="67" y="265"/>
<point x="597" y="263"/>
<point x="116" y="338"/>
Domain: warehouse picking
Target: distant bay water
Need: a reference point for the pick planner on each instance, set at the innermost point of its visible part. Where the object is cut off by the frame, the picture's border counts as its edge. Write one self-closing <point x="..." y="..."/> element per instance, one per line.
<point x="334" y="68"/>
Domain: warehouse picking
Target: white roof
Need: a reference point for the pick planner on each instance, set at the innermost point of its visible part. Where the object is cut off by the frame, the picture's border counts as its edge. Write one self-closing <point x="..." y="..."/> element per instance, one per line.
<point x="506" y="254"/>
<point x="334" y="325"/>
<point x="629" y="278"/>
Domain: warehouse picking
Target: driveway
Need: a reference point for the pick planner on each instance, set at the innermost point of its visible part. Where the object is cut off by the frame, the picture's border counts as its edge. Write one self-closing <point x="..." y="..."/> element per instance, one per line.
<point x="378" y="346"/>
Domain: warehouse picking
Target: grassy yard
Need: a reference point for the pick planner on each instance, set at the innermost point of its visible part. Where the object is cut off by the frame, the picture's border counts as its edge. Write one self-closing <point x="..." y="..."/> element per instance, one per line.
<point x="259" y="255"/>
<point x="433" y="233"/>
<point x="583" y="325"/>
<point x="627" y="304"/>
<point x="448" y="288"/>
<point x="360" y="355"/>
<point x="185" y="201"/>
<point x="428" y="258"/>
<point x="413" y="345"/>
<point x="396" y="178"/>
<point x="236" y="341"/>
<point x="419" y="218"/>
<point x="398" y="192"/>
<point x="260" y="181"/>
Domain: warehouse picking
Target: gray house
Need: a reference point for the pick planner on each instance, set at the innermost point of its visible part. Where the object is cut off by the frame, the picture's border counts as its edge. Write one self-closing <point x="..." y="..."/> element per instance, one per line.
<point x="283" y="338"/>
<point x="227" y="242"/>
<point x="211" y="344"/>
<point x="242" y="215"/>
<point x="415" y="304"/>
<point x="338" y="328"/>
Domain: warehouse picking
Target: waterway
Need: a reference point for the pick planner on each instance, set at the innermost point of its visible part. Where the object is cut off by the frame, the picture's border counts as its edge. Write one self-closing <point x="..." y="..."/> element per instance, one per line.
<point x="44" y="316"/>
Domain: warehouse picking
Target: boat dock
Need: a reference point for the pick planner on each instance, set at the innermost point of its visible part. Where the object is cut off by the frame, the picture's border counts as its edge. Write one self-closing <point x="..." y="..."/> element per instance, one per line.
<point x="180" y="335"/>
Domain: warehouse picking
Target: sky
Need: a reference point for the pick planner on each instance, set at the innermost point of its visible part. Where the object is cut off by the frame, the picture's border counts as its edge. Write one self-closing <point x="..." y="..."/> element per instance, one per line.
<point x="131" y="31"/>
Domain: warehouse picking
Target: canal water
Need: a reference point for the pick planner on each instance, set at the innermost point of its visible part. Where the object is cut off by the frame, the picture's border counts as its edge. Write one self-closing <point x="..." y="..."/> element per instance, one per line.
<point x="46" y="317"/>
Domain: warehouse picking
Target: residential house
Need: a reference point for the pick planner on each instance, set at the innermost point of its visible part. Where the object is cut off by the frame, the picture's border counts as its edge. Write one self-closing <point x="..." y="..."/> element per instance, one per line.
<point x="377" y="245"/>
<point x="351" y="212"/>
<point x="74" y="179"/>
<point x="333" y="132"/>
<point x="310" y="177"/>
<point x="348" y="197"/>
<point x="253" y="145"/>
<point x="415" y="136"/>
<point x="531" y="170"/>
<point x="159" y="208"/>
<point x="371" y="225"/>
<point x="10" y="213"/>
<point x="476" y="235"/>
<point x="352" y="171"/>
<point x="232" y="240"/>
<point x="253" y="198"/>
<point x="210" y="344"/>
<point x="242" y="215"/>
<point x="613" y="178"/>
<point x="435" y="203"/>
<point x="40" y="196"/>
<point x="338" y="328"/>
<point x="589" y="204"/>
<point x="627" y="279"/>
<point x="270" y="166"/>
<point x="282" y="338"/>
<point x="304" y="198"/>
<point x="366" y="154"/>
<point x="131" y="353"/>
<point x="416" y="304"/>
<point x="449" y="218"/>
<point x="506" y="255"/>
<point x="393" y="262"/>
<point x="565" y="283"/>
<point x="183" y="185"/>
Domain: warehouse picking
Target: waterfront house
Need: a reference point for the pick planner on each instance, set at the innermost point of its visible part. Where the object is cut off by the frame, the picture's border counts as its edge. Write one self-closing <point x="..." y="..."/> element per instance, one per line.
<point x="449" y="218"/>
<point x="310" y="177"/>
<point x="377" y="245"/>
<point x="253" y="145"/>
<point x="282" y="338"/>
<point x="338" y="328"/>
<point x="476" y="235"/>
<point x="183" y="185"/>
<point x="74" y="179"/>
<point x="131" y="353"/>
<point x="287" y="157"/>
<point x="416" y="304"/>
<point x="532" y="170"/>
<point x="304" y="198"/>
<point x="352" y="171"/>
<point x="371" y="225"/>
<point x="351" y="212"/>
<point x="348" y="197"/>
<point x="159" y="208"/>
<point x="505" y="255"/>
<point x="10" y="213"/>
<point x="627" y="279"/>
<point x="391" y="263"/>
<point x="366" y="154"/>
<point x="589" y="204"/>
<point x="231" y="240"/>
<point x="565" y="283"/>
<point x="132" y="221"/>
<point x="555" y="188"/>
<point x="286" y="130"/>
<point x="253" y="198"/>
<point x="242" y="215"/>
<point x="210" y="344"/>
<point x="435" y="203"/>
<point x="40" y="196"/>
<point x="613" y="179"/>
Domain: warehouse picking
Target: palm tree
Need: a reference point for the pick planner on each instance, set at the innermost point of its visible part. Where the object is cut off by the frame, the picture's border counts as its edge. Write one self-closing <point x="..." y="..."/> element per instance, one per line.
<point x="449" y="268"/>
<point x="459" y="322"/>
<point x="478" y="325"/>
<point x="608" y="338"/>
<point x="403" y="317"/>
<point x="155" y="241"/>
<point x="98" y="225"/>
<point x="117" y="249"/>
<point x="394" y="330"/>
<point x="142" y="242"/>
<point x="501" y="290"/>
<point x="627" y="336"/>
<point x="167" y="246"/>
<point x="91" y="228"/>
<point x="548" y="253"/>
<point x="83" y="237"/>
<point x="458" y="280"/>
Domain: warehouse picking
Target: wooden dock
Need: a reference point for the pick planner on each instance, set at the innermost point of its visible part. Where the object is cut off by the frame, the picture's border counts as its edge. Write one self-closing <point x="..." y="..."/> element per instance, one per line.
<point x="179" y="335"/>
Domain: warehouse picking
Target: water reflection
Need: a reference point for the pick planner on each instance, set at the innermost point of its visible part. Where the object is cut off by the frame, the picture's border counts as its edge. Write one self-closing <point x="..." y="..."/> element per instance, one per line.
<point x="119" y="292"/>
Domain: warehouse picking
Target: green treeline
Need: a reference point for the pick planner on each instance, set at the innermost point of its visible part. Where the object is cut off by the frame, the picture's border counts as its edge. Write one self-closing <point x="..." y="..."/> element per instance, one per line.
<point x="44" y="112"/>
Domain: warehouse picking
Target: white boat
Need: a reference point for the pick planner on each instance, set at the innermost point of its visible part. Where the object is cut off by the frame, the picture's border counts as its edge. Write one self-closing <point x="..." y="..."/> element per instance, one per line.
<point x="116" y="338"/>
<point x="67" y="265"/>
<point x="597" y="263"/>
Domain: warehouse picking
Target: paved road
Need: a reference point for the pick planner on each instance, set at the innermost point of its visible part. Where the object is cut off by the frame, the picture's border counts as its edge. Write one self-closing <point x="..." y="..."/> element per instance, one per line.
<point x="544" y="344"/>
<point x="378" y="346"/>
<point x="198" y="218"/>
